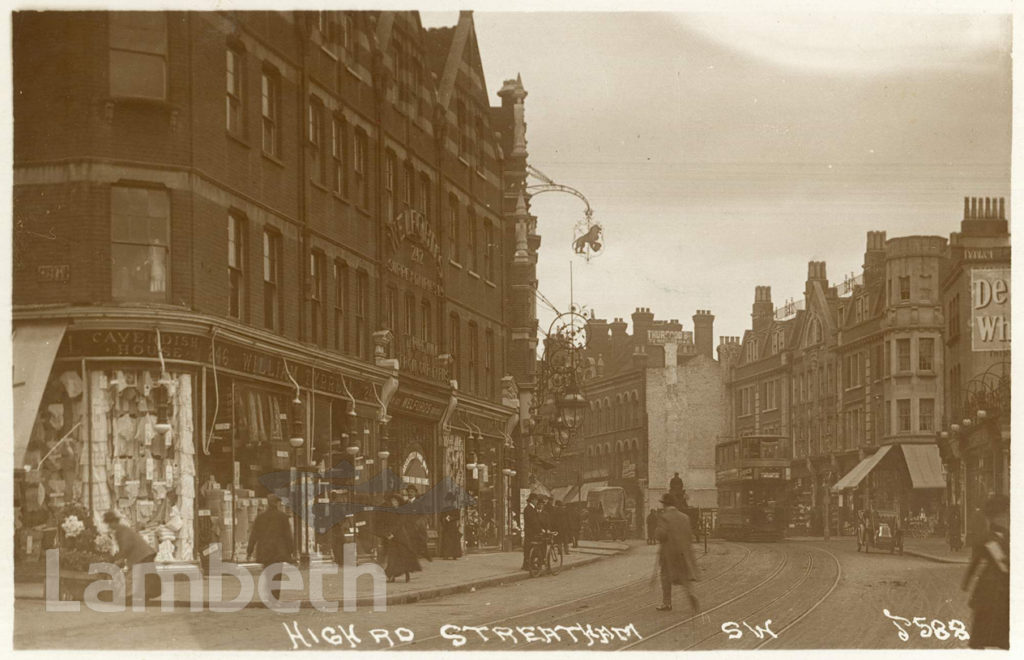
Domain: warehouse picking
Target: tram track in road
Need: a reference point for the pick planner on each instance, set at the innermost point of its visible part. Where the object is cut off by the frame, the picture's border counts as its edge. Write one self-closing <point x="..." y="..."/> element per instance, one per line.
<point x="740" y="617"/>
<point x="816" y="605"/>
<point x="778" y="569"/>
<point x="629" y="590"/>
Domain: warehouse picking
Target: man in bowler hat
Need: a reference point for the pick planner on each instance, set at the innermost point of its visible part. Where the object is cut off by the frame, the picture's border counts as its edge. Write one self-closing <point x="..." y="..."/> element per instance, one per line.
<point x="675" y="553"/>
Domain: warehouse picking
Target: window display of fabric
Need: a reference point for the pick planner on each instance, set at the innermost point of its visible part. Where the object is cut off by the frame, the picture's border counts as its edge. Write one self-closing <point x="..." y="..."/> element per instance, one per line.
<point x="99" y="434"/>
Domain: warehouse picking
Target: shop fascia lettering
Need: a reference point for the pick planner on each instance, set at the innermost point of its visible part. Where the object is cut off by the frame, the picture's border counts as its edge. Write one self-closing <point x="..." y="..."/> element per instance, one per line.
<point x="990" y="309"/>
<point x="197" y="348"/>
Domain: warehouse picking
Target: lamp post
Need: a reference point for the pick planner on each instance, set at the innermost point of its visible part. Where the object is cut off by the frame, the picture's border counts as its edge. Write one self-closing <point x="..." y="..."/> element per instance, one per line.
<point x="296" y="440"/>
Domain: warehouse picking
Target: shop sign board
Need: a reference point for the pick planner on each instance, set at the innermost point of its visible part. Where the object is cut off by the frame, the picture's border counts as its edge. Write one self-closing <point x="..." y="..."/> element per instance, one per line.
<point x="662" y="337"/>
<point x="990" y="309"/>
<point x="199" y="349"/>
<point x="421" y="358"/>
<point x="406" y="403"/>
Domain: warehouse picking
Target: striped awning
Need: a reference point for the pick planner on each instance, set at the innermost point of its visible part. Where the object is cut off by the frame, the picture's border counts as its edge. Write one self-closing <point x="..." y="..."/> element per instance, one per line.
<point x="924" y="465"/>
<point x="853" y="478"/>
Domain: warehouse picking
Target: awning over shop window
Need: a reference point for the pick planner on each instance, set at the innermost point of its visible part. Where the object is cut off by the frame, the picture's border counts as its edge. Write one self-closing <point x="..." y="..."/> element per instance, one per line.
<point x="861" y="470"/>
<point x="33" y="347"/>
<point x="573" y="495"/>
<point x="925" y="465"/>
<point x="586" y="488"/>
<point x="560" y="493"/>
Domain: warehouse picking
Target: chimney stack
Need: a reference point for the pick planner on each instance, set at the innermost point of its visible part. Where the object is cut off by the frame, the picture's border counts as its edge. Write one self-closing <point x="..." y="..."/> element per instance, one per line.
<point x="597" y="335"/>
<point x="815" y="273"/>
<point x="642" y="321"/>
<point x="984" y="216"/>
<point x="618" y="328"/>
<point x="762" y="311"/>
<point x="874" y="258"/>
<point x="704" y="333"/>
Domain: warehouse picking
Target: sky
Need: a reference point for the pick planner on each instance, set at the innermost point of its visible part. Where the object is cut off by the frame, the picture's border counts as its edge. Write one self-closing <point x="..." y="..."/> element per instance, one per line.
<point x="724" y="151"/>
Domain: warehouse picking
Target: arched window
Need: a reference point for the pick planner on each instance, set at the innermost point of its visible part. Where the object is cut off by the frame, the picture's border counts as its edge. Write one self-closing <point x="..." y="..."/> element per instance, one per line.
<point x="814" y="334"/>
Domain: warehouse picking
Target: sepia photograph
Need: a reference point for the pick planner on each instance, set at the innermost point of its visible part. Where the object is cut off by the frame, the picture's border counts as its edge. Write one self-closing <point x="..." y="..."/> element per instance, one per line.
<point x="506" y="328"/>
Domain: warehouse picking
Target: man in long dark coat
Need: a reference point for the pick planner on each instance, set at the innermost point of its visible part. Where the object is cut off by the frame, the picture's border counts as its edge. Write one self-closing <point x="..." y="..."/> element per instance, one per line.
<point x="531" y="527"/>
<point x="675" y="554"/>
<point x="271" y="538"/>
<point x="652" y="527"/>
<point x="990" y="599"/>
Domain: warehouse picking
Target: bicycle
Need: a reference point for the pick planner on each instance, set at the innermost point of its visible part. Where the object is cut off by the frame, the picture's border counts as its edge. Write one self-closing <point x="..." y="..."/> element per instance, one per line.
<point x="545" y="553"/>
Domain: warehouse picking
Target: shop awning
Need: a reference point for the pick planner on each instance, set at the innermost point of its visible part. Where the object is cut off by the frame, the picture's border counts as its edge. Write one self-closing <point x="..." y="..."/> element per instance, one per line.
<point x="925" y="465"/>
<point x="573" y="495"/>
<point x="33" y="347"/>
<point x="560" y="493"/>
<point x="587" y="487"/>
<point x="852" y="478"/>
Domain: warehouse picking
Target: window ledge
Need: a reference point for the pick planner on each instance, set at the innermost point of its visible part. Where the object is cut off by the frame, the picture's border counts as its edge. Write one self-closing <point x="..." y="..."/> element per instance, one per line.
<point x="480" y="173"/>
<point x="462" y="159"/>
<point x="238" y="138"/>
<point x="319" y="185"/>
<point x="273" y="159"/>
<point x="363" y="211"/>
<point x="491" y="284"/>
<point x="141" y="101"/>
<point x="452" y="262"/>
<point x="473" y="274"/>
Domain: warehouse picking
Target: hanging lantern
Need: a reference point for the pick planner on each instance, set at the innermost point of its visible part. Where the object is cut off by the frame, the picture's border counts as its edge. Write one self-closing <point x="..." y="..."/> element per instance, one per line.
<point x="296" y="439"/>
<point x="571" y="408"/>
<point x="163" y="411"/>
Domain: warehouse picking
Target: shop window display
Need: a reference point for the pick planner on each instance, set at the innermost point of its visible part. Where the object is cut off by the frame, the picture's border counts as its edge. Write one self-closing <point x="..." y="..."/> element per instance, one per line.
<point x="249" y="447"/>
<point x="134" y="453"/>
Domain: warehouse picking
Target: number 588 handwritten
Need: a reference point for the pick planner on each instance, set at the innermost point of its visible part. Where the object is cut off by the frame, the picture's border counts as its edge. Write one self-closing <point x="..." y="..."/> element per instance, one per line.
<point x="933" y="628"/>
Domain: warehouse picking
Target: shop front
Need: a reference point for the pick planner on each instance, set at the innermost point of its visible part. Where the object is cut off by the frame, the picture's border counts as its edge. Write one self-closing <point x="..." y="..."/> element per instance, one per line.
<point x="902" y="483"/>
<point x="184" y="431"/>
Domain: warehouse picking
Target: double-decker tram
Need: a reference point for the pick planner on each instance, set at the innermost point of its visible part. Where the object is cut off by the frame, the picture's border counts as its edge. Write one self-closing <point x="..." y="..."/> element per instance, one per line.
<point x="751" y="474"/>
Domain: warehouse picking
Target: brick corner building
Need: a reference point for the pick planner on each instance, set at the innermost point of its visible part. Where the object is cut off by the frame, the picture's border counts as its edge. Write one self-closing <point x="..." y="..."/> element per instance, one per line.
<point x="232" y="229"/>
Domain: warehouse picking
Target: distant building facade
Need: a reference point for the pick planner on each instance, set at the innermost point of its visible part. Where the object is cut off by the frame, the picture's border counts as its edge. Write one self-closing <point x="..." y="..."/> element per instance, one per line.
<point x="852" y="376"/>
<point x="657" y="406"/>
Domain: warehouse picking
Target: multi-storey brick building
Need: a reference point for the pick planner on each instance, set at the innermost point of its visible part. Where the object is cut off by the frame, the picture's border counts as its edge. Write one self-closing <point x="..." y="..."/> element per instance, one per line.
<point x="862" y="370"/>
<point x="237" y="228"/>
<point x="975" y="434"/>
<point x="657" y="406"/>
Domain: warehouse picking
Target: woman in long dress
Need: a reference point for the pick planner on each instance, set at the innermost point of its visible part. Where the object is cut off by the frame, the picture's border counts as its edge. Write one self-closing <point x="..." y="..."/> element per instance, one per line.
<point x="451" y="540"/>
<point x="400" y="555"/>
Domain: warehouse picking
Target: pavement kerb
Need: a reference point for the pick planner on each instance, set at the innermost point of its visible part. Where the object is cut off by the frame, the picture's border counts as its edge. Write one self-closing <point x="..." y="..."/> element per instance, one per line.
<point x="941" y="560"/>
<point x="402" y="598"/>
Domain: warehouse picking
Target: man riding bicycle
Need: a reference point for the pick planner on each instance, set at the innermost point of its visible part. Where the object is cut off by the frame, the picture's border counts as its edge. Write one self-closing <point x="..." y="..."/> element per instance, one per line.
<point x="536" y="526"/>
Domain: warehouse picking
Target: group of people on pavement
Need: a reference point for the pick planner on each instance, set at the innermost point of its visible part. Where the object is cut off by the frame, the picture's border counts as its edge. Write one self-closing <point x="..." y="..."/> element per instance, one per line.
<point x="540" y="515"/>
<point x="401" y="530"/>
